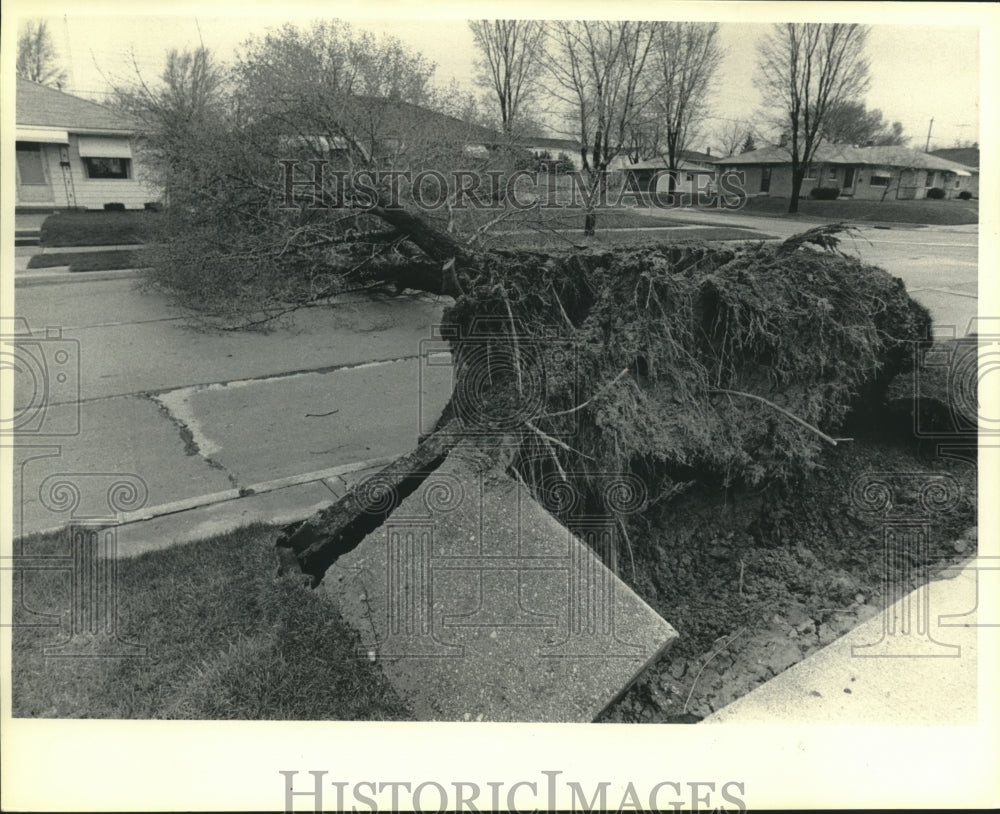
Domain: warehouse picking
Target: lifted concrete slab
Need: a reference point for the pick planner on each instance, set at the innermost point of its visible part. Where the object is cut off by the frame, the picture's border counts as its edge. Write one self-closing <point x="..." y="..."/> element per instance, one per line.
<point x="480" y="606"/>
<point x="322" y="419"/>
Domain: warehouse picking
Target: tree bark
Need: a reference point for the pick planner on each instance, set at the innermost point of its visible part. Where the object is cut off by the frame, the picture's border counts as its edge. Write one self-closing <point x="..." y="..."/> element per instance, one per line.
<point x="311" y="546"/>
<point x="793" y="202"/>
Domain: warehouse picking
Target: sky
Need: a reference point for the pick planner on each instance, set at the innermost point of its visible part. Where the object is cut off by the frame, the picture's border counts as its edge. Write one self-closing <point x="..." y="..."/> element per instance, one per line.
<point x="918" y="72"/>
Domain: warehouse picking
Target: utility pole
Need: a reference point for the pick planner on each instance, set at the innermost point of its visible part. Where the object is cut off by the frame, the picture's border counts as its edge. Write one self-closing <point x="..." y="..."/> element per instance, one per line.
<point x="927" y="146"/>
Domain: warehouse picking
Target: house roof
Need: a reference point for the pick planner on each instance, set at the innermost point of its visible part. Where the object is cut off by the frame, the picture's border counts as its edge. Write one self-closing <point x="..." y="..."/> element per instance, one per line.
<point x="690" y="159"/>
<point x="847" y="154"/>
<point x="963" y="155"/>
<point x="395" y="118"/>
<point x="41" y="106"/>
<point x="694" y="155"/>
<point x="565" y="144"/>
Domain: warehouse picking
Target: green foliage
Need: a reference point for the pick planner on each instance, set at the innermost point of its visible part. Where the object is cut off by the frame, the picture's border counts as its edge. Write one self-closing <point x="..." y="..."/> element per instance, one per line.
<point x="97" y="228"/>
<point x="965" y="195"/>
<point x="88" y="261"/>
<point x="935" y="193"/>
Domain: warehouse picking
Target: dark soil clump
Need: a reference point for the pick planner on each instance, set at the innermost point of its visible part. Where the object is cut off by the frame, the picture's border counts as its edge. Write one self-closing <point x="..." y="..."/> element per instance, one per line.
<point x="755" y="580"/>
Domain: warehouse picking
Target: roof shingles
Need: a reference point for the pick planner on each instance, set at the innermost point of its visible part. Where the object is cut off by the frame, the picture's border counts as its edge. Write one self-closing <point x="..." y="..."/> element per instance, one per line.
<point x="847" y="154"/>
<point x="40" y="106"/>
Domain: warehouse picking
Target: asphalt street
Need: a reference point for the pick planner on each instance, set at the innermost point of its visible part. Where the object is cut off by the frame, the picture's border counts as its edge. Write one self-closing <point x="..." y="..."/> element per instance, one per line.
<point x="200" y="417"/>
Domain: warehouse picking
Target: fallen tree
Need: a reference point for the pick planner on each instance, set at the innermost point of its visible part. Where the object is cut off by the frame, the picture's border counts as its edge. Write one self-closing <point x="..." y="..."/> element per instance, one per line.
<point x="667" y="363"/>
<point x="672" y="364"/>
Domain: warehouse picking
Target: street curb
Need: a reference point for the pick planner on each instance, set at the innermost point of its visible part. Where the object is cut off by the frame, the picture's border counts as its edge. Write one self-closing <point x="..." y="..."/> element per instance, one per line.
<point x="40" y="277"/>
<point x="111" y="247"/>
<point x="229" y="495"/>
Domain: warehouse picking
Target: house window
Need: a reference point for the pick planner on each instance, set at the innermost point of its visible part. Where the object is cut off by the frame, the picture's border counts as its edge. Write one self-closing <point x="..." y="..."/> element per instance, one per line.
<point x="29" y="163"/>
<point x="929" y="181"/>
<point x="831" y="173"/>
<point x="810" y="173"/>
<point x="878" y="181"/>
<point x="107" y="167"/>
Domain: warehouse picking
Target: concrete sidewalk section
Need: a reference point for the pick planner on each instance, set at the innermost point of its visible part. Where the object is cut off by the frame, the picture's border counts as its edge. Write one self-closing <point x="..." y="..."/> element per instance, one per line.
<point x="480" y="606"/>
<point x="190" y="444"/>
<point x="914" y="664"/>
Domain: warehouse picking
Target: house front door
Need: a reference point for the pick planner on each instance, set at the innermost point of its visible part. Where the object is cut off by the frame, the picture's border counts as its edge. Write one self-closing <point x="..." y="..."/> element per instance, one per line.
<point x="848" y="188"/>
<point x="33" y="182"/>
<point x="765" y="179"/>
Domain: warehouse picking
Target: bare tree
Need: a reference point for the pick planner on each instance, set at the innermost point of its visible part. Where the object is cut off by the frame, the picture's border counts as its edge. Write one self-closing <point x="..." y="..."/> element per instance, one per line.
<point x="37" y="57"/>
<point x="686" y="58"/>
<point x="598" y="70"/>
<point x="732" y="136"/>
<point x="189" y="94"/>
<point x="806" y="69"/>
<point x="511" y="51"/>
<point x="853" y="123"/>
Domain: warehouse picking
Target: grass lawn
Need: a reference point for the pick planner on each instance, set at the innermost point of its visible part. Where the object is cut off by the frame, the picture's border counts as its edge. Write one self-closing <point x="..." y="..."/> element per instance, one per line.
<point x="939" y="213"/>
<point x="469" y="220"/>
<point x="88" y="261"/>
<point x="549" y="240"/>
<point x="224" y="640"/>
<point x="97" y="228"/>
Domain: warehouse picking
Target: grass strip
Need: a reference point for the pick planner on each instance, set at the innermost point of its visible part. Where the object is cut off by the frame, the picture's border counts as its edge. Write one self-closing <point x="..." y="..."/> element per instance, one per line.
<point x="223" y="639"/>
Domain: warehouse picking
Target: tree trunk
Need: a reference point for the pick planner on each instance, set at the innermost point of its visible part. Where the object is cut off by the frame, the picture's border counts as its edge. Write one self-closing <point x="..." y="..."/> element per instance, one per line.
<point x="310" y="547"/>
<point x="599" y="192"/>
<point x="793" y="202"/>
<point x="433" y="242"/>
<point x="437" y="245"/>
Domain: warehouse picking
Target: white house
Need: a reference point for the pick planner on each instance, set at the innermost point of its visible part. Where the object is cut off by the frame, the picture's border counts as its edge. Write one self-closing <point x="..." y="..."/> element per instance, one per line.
<point x="871" y="173"/>
<point x="74" y="154"/>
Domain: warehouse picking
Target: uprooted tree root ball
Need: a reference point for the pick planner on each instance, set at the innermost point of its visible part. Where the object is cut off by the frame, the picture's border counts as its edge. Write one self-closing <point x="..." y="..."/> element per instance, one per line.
<point x="676" y="364"/>
<point x="612" y="381"/>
